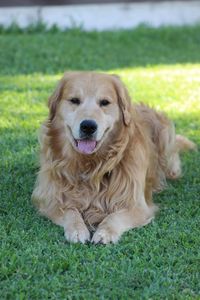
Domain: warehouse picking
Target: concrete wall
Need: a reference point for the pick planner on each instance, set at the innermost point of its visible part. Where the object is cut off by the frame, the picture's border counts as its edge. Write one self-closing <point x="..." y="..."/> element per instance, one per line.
<point x="106" y="16"/>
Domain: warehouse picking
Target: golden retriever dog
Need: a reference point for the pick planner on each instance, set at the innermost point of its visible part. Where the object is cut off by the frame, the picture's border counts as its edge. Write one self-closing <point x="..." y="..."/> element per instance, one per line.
<point x="102" y="157"/>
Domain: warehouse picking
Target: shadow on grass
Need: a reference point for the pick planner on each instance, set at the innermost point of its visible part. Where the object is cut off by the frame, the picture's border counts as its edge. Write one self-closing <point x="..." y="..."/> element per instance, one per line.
<point x="147" y="260"/>
<point x="55" y="52"/>
<point x="33" y="250"/>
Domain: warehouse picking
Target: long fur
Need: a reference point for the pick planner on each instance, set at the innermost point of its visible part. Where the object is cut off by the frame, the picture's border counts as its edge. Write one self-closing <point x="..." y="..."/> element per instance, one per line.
<point x="121" y="175"/>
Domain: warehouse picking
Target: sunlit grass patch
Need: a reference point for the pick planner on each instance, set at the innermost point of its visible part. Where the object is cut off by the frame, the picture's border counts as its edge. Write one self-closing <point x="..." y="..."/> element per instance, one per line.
<point x="173" y="89"/>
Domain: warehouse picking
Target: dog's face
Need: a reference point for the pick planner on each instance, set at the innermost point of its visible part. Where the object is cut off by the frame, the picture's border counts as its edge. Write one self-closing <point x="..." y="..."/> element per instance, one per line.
<point x="89" y="105"/>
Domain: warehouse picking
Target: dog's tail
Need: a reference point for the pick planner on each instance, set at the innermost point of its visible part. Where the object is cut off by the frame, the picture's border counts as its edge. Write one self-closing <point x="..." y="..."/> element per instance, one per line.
<point x="184" y="144"/>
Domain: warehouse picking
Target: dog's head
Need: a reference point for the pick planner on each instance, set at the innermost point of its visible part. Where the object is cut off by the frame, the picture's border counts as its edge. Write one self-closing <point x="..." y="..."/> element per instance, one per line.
<point x="90" y="105"/>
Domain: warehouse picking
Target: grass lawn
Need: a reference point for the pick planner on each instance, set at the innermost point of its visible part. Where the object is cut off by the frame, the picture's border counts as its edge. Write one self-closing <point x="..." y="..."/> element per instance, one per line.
<point x="161" y="67"/>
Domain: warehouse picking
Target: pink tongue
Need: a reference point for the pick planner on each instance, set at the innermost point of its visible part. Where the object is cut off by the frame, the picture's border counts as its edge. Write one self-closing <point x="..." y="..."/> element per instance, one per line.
<point x="86" y="146"/>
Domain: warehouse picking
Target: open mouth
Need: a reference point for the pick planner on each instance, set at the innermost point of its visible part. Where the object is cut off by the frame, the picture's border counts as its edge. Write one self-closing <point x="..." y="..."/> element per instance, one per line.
<point x="86" y="146"/>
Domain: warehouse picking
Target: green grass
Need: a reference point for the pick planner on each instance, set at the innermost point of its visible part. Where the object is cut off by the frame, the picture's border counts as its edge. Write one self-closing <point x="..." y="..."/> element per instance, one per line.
<point x="161" y="67"/>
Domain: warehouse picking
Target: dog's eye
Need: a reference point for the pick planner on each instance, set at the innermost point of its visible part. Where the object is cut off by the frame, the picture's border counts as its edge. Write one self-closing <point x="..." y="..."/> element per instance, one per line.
<point x="75" y="101"/>
<point x="104" y="102"/>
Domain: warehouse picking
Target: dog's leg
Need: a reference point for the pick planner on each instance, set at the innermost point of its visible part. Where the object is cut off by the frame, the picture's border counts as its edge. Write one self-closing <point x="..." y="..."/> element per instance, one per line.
<point x="139" y="213"/>
<point x="48" y="199"/>
<point x="181" y="144"/>
<point x="74" y="226"/>
<point x="115" y="224"/>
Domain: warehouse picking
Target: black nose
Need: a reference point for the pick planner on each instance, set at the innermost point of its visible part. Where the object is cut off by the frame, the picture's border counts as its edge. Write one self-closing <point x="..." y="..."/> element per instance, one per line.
<point x="88" y="127"/>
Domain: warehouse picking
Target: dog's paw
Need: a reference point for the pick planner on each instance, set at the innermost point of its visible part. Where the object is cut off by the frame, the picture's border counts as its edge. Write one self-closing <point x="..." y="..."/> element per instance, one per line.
<point x="105" y="235"/>
<point x="77" y="234"/>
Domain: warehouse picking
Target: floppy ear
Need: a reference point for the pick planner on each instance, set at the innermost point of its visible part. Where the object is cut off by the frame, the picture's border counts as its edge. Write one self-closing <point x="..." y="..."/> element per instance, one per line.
<point x="124" y="99"/>
<point x="55" y="98"/>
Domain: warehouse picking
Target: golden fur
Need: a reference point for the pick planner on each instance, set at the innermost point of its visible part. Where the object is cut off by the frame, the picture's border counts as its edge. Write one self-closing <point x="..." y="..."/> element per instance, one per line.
<point x="108" y="191"/>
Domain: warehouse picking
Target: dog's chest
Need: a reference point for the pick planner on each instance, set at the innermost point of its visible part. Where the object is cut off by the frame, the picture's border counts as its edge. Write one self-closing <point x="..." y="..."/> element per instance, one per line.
<point x="87" y="194"/>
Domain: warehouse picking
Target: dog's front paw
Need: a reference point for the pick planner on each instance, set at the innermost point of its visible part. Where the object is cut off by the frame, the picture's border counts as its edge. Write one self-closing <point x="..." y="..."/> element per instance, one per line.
<point x="105" y="235"/>
<point x="77" y="234"/>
